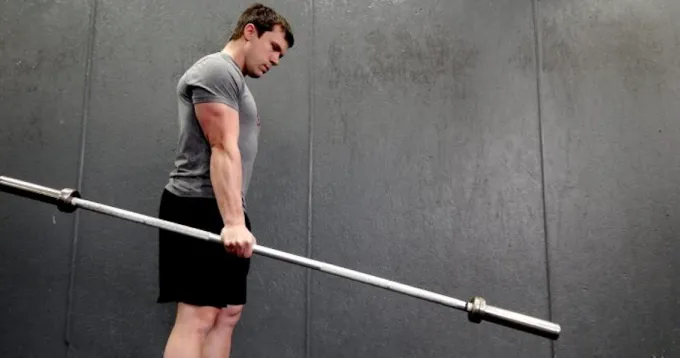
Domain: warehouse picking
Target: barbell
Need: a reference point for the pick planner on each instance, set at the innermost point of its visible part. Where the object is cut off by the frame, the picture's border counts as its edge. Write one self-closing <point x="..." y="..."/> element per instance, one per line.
<point x="68" y="200"/>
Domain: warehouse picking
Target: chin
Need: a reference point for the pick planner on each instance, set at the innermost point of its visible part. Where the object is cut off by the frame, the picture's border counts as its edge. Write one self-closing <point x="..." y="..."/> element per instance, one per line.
<point x="255" y="74"/>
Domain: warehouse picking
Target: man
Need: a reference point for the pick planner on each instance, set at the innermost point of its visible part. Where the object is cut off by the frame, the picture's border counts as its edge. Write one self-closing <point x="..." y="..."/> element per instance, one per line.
<point x="219" y="130"/>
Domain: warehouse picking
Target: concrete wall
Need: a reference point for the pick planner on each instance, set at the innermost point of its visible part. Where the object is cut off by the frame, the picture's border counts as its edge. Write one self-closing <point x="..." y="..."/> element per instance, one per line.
<point x="611" y="125"/>
<point x="523" y="151"/>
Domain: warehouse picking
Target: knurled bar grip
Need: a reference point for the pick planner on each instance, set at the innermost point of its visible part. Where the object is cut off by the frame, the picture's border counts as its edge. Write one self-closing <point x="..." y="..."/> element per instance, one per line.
<point x="67" y="200"/>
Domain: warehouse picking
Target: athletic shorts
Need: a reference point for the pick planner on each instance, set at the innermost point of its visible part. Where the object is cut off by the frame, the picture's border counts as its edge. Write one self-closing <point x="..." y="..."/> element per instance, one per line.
<point x="196" y="271"/>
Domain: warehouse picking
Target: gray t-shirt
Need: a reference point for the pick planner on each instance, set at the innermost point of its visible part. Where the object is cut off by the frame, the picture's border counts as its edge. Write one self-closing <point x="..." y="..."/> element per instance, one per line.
<point x="213" y="78"/>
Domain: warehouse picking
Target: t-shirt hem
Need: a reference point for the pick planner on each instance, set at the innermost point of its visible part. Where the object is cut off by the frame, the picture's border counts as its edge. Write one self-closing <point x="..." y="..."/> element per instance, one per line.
<point x="209" y="195"/>
<point x="172" y="189"/>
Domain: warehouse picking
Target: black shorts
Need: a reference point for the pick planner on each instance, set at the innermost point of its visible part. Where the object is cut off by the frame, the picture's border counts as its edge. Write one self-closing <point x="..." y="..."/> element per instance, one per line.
<point x="196" y="271"/>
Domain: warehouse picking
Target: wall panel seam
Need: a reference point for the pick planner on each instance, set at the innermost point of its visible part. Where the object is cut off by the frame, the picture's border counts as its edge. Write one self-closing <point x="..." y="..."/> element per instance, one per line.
<point x="87" y="88"/>
<point x="539" y="86"/>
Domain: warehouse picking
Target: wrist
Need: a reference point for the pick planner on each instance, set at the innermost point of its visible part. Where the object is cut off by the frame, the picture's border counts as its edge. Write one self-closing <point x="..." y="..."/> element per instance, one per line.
<point x="235" y="222"/>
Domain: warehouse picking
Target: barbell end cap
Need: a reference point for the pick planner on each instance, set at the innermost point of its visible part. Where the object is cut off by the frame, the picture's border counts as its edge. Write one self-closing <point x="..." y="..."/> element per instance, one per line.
<point x="65" y="200"/>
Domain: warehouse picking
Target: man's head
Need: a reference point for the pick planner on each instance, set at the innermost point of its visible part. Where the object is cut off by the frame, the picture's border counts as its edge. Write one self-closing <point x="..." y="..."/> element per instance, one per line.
<point x="267" y="36"/>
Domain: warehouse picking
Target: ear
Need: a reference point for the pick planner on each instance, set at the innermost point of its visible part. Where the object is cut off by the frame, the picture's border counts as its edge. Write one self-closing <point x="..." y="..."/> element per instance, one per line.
<point x="249" y="32"/>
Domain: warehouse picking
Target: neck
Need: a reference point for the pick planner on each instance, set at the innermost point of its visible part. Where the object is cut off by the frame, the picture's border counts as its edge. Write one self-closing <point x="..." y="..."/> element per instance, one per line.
<point x="235" y="49"/>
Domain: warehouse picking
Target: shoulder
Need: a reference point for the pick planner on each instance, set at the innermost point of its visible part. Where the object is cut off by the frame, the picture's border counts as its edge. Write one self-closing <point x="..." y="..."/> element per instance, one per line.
<point x="215" y="78"/>
<point x="217" y="68"/>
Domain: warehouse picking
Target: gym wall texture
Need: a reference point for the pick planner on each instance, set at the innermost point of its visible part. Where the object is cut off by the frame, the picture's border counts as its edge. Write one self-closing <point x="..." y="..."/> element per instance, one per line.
<point x="524" y="151"/>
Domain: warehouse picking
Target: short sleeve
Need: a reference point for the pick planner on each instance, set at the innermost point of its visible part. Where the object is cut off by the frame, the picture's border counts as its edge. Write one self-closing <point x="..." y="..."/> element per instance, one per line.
<point x="213" y="83"/>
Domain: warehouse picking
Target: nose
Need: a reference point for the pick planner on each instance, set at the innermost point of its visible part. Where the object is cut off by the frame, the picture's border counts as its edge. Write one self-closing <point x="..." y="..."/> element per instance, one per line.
<point x="275" y="60"/>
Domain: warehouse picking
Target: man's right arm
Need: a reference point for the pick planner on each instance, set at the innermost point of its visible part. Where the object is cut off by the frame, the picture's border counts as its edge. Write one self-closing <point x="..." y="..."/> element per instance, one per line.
<point x="220" y="125"/>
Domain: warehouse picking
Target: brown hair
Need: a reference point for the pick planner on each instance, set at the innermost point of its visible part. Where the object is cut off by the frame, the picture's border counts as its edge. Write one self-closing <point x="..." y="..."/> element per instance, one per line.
<point x="264" y="19"/>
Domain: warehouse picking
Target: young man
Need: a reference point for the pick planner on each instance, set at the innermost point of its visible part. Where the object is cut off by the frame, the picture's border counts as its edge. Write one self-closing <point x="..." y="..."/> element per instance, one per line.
<point x="218" y="139"/>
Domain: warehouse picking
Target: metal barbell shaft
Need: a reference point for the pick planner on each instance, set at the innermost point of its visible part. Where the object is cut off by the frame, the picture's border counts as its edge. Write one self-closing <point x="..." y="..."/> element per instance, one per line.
<point x="68" y="200"/>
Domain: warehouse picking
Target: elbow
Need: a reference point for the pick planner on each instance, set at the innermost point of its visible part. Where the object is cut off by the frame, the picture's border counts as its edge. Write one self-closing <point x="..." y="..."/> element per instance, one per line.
<point x="225" y="150"/>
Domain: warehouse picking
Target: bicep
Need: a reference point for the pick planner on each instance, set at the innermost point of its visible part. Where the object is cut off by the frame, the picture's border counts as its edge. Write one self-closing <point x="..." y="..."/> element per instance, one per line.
<point x="220" y="124"/>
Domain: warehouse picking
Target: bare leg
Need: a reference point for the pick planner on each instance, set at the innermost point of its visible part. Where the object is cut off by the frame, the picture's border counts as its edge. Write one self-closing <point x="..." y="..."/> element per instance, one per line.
<point x="218" y="341"/>
<point x="190" y="330"/>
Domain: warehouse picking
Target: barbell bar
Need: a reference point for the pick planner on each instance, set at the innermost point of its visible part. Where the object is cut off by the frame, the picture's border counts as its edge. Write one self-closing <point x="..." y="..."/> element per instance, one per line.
<point x="68" y="200"/>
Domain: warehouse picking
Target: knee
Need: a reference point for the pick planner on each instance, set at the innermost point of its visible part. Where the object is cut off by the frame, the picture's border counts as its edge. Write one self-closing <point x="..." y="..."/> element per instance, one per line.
<point x="197" y="319"/>
<point x="229" y="316"/>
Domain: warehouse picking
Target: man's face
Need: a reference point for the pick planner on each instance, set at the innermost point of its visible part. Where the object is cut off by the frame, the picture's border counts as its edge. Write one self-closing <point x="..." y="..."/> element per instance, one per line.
<point x="264" y="52"/>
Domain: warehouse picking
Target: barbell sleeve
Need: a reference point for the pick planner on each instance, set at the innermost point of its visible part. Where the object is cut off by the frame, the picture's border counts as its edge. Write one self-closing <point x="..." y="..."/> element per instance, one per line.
<point x="68" y="200"/>
<point x="479" y="311"/>
<point x="40" y="193"/>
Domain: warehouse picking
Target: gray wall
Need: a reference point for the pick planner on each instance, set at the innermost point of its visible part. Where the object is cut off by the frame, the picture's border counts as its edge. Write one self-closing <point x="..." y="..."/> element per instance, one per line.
<point x="523" y="151"/>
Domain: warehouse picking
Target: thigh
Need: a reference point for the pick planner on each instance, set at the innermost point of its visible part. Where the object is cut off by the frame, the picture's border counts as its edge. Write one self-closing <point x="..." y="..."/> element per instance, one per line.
<point x="184" y="255"/>
<point x="197" y="271"/>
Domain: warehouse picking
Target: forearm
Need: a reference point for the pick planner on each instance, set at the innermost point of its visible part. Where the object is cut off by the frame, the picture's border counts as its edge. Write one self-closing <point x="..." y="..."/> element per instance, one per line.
<point x="226" y="177"/>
